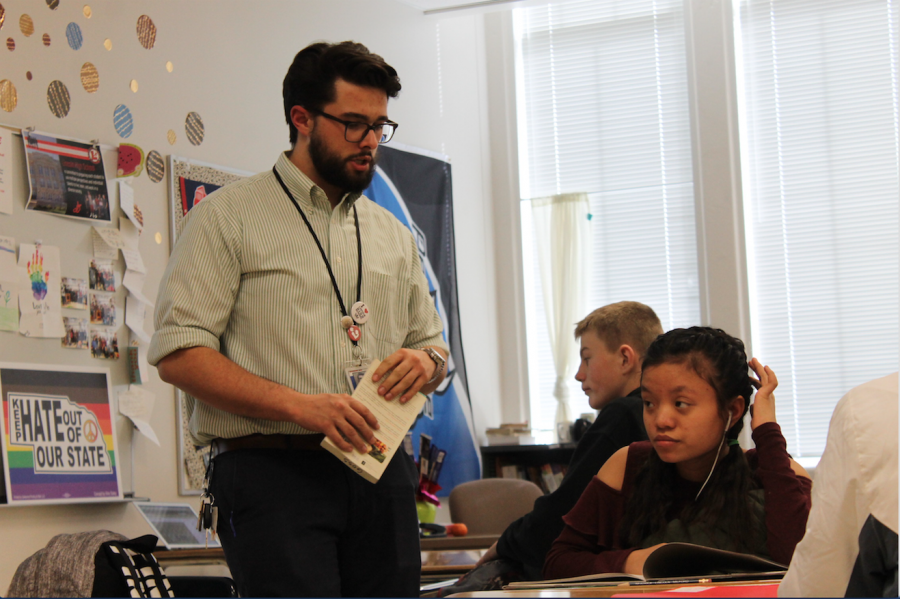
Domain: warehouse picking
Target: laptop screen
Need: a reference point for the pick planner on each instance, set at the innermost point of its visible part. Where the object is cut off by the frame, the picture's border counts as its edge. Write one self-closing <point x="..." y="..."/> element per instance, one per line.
<point x="175" y="524"/>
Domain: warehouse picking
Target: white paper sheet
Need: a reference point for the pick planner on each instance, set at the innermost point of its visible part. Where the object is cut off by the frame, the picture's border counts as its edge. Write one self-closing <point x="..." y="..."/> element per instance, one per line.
<point x="6" y="183"/>
<point x="107" y="242"/>
<point x="126" y="203"/>
<point x="135" y="313"/>
<point x="39" y="298"/>
<point x="137" y="404"/>
<point x="9" y="286"/>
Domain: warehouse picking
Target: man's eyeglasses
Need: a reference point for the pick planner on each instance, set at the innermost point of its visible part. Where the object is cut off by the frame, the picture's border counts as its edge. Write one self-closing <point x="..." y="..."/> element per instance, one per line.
<point x="355" y="132"/>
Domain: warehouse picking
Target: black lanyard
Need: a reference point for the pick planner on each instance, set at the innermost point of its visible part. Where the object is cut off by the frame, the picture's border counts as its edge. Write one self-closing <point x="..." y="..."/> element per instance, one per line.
<point x="334" y="284"/>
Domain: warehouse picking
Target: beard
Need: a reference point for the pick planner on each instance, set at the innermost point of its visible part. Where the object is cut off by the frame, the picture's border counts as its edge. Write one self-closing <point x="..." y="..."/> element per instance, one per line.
<point x="333" y="168"/>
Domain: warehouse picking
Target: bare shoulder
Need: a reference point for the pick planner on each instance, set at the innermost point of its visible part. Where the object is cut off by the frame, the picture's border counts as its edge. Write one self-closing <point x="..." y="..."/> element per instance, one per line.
<point x="799" y="470"/>
<point x="612" y="473"/>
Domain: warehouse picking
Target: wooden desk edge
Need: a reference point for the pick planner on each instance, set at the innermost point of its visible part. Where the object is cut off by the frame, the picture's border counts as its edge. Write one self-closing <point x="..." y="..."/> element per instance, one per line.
<point x="467" y="542"/>
<point x="607" y="591"/>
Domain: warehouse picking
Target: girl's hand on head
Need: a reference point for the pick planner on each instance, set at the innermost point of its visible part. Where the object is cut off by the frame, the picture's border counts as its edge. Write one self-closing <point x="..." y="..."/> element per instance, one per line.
<point x="763" y="408"/>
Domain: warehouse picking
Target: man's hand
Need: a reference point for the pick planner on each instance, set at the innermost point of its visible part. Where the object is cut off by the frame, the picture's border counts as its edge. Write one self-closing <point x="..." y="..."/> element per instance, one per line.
<point x="339" y="416"/>
<point x="489" y="555"/>
<point x="409" y="370"/>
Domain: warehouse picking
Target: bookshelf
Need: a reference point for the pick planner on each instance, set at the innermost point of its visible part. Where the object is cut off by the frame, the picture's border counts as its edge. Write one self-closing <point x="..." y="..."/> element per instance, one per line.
<point x="528" y="461"/>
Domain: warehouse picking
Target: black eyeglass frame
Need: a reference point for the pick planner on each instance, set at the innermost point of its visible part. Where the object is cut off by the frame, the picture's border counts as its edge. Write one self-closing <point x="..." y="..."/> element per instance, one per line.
<point x="368" y="127"/>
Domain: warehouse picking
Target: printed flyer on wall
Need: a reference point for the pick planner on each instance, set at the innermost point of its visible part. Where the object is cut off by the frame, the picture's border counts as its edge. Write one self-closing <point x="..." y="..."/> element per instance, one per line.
<point x="59" y="442"/>
<point x="66" y="177"/>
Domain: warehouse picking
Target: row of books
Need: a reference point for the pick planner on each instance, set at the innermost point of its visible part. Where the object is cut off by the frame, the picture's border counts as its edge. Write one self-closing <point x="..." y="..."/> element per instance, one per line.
<point x="547" y="476"/>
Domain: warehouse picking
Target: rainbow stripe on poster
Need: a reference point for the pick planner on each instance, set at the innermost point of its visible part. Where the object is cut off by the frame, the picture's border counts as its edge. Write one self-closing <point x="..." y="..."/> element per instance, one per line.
<point x="59" y="441"/>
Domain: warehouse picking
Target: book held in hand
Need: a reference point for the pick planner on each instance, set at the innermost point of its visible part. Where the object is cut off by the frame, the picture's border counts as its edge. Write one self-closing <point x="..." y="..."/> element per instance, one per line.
<point x="394" y="420"/>
<point x="675" y="563"/>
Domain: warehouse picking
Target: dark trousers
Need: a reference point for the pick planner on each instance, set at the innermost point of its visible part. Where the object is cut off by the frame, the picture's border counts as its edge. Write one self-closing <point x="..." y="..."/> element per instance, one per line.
<point x="297" y="523"/>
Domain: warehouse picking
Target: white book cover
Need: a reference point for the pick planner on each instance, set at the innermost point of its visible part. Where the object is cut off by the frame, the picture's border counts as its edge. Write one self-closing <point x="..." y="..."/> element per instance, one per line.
<point x="394" y="420"/>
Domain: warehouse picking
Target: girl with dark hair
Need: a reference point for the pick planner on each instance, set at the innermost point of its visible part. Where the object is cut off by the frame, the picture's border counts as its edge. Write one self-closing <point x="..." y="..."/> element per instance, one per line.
<point x="691" y="482"/>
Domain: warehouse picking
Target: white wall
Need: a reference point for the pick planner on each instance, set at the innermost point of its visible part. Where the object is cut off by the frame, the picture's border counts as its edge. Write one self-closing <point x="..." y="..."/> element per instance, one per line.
<point x="229" y="60"/>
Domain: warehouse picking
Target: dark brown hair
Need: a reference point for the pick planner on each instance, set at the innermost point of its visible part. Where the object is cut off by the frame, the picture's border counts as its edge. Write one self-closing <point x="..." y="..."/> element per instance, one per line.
<point x="310" y="80"/>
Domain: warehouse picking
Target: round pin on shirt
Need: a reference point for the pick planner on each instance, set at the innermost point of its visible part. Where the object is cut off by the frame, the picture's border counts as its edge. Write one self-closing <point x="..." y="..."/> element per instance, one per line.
<point x="346" y="322"/>
<point x="360" y="312"/>
<point x="354" y="333"/>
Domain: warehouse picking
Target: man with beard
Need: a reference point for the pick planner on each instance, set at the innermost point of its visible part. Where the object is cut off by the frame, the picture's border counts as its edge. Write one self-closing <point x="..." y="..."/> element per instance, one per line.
<point x="279" y="285"/>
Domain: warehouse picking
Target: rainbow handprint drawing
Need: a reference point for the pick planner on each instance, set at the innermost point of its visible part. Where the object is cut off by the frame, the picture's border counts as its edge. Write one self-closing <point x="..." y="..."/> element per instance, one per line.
<point x="37" y="275"/>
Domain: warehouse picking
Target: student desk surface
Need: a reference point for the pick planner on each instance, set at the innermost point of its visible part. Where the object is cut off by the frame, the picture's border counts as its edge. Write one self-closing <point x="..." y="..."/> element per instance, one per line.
<point x="760" y="588"/>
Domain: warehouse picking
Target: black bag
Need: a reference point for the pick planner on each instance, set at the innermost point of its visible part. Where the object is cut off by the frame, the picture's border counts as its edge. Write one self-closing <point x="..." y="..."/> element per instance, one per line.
<point x="129" y="569"/>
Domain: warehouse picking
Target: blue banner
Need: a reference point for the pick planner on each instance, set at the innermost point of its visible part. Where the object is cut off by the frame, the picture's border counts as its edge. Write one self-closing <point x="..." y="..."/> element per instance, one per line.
<point x="417" y="189"/>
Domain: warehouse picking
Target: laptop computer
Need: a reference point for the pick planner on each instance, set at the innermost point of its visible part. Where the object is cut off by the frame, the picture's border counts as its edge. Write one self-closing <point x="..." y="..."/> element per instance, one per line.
<point x="175" y="524"/>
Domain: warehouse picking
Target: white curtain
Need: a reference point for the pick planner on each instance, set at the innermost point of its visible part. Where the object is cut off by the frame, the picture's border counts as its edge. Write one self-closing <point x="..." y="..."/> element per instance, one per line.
<point x="563" y="242"/>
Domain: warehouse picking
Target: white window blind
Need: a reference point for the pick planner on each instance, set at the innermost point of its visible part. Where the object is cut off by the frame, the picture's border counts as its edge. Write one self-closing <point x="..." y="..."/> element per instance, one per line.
<point x="603" y="109"/>
<point x="821" y="191"/>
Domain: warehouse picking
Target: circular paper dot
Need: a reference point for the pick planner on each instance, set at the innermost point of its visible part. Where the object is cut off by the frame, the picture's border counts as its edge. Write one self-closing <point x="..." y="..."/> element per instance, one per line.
<point x="156" y="167"/>
<point x="46" y="38"/>
<point x="158" y="238"/>
<point x="8" y="96"/>
<point x="133" y="85"/>
<point x="146" y="31"/>
<point x="73" y="36"/>
<point x="28" y="75"/>
<point x="10" y="44"/>
<point x="122" y="120"/>
<point x="26" y="25"/>
<point x="107" y="43"/>
<point x="2" y="16"/>
<point x="169" y="66"/>
<point x="87" y="11"/>
<point x="171" y="137"/>
<point x="53" y="4"/>
<point x="58" y="98"/>
<point x="193" y="128"/>
<point x="90" y="78"/>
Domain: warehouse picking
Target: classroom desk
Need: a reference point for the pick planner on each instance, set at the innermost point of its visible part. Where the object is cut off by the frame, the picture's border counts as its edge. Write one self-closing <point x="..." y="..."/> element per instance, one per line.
<point x="466" y="542"/>
<point x="444" y="563"/>
<point x="768" y="588"/>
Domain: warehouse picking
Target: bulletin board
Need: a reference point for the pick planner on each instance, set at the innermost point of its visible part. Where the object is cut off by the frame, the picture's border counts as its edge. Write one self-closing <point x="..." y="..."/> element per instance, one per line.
<point x="190" y="181"/>
<point x="72" y="238"/>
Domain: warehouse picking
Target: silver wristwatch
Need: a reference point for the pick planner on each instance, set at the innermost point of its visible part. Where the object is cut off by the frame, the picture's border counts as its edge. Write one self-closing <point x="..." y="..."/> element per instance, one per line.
<point x="438" y="359"/>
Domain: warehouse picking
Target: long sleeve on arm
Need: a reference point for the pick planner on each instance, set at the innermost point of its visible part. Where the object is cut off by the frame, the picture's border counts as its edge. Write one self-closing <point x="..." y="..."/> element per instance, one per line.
<point x="588" y="543"/>
<point x="787" y="494"/>
<point x="528" y="539"/>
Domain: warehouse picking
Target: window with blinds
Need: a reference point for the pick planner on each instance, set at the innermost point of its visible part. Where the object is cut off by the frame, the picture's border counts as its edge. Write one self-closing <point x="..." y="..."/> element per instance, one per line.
<point x="603" y="109"/>
<point x="819" y="109"/>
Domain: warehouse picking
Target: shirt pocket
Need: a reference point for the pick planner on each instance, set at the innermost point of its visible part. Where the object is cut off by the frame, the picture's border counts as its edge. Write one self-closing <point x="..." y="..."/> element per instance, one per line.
<point x="389" y="320"/>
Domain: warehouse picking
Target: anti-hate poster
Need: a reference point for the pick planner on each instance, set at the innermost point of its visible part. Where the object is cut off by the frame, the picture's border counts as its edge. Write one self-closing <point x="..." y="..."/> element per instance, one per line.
<point x="66" y="177"/>
<point x="59" y="442"/>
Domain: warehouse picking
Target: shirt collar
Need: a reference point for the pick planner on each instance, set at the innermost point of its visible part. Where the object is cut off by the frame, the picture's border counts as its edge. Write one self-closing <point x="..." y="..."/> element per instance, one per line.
<point x="308" y="193"/>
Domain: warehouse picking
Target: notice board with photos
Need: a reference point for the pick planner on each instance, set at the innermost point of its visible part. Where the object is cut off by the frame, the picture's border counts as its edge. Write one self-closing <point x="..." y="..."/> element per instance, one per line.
<point x="65" y="245"/>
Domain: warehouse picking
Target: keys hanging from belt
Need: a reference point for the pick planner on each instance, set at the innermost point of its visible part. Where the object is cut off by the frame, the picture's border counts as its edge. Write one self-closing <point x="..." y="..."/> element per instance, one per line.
<point x="208" y="519"/>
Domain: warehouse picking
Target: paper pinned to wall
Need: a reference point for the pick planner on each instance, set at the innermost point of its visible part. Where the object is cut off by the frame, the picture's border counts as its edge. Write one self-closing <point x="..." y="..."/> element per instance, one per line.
<point x="130" y="238"/>
<point x="107" y="242"/>
<point x="137" y="404"/>
<point x="126" y="203"/>
<point x="6" y="184"/>
<point x="135" y="314"/>
<point x="39" y="300"/>
<point x="9" y="287"/>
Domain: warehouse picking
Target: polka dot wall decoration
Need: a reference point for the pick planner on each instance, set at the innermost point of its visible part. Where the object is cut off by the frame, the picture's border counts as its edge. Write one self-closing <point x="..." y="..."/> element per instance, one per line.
<point x="123" y="121"/>
<point x="156" y="167"/>
<point x="146" y="31"/>
<point x="87" y="11"/>
<point x="171" y="137"/>
<point x="46" y="39"/>
<point x="193" y="128"/>
<point x="10" y="44"/>
<point x="58" y="99"/>
<point x="2" y="16"/>
<point x="90" y="78"/>
<point x="74" y="37"/>
<point x="26" y="25"/>
<point x="53" y="4"/>
<point x="8" y="95"/>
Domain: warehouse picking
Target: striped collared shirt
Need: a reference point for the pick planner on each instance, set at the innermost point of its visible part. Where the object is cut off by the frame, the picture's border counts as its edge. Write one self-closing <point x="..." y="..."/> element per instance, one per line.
<point x="247" y="279"/>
